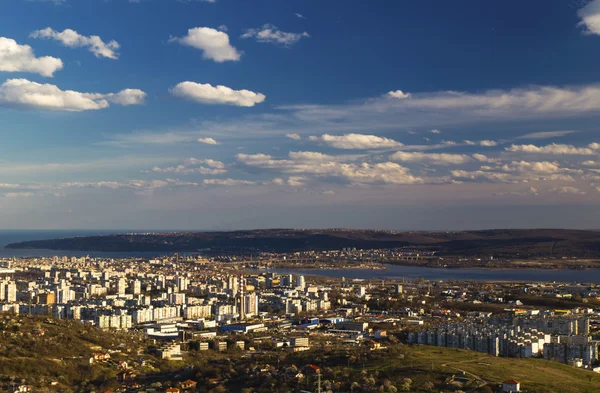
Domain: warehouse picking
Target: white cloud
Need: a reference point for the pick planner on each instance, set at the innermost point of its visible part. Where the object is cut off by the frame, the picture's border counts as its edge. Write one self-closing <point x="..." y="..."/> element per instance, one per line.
<point x="181" y="169"/>
<point x="551" y="149"/>
<point x="207" y="94"/>
<point x="72" y="39"/>
<point x="398" y="94"/>
<point x="300" y="16"/>
<point x="568" y="190"/>
<point x="483" y="158"/>
<point x="127" y="97"/>
<point x="356" y="141"/>
<point x="24" y="194"/>
<point x="546" y="134"/>
<point x="194" y="166"/>
<point x="310" y="156"/>
<point x="294" y="136"/>
<point x="21" y="58"/>
<point x="229" y="182"/>
<point x="484" y="143"/>
<point x="590" y="17"/>
<point x="432" y="158"/>
<point x="483" y="175"/>
<point x="536" y="167"/>
<point x="435" y="131"/>
<point x="214" y="44"/>
<point x="271" y="34"/>
<point x="24" y="93"/>
<point x="292" y="181"/>
<point x="310" y="163"/>
<point x="208" y="141"/>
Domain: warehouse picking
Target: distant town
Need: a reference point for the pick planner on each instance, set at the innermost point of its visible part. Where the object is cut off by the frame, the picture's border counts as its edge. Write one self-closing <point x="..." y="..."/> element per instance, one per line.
<point x="183" y="309"/>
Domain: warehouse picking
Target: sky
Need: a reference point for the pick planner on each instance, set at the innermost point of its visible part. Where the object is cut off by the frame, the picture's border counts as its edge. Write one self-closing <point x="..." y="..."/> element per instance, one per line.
<point x="237" y="114"/>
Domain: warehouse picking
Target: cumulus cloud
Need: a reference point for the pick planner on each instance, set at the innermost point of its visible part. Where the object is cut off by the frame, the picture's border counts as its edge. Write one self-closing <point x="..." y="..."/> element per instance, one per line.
<point x="484" y="143"/>
<point x="27" y="94"/>
<point x="310" y="163"/>
<point x="398" y="94"/>
<point x="208" y="141"/>
<point x="537" y="167"/>
<point x="310" y="156"/>
<point x="194" y="166"/>
<point x="551" y="149"/>
<point x="127" y="97"/>
<point x="294" y="136"/>
<point x="72" y="39"/>
<point x="214" y="44"/>
<point x="484" y="175"/>
<point x="432" y="158"/>
<point x="568" y="190"/>
<point x="483" y="158"/>
<point x="21" y="58"/>
<point x="356" y="141"/>
<point x="208" y="94"/>
<point x="229" y="182"/>
<point x="271" y="34"/>
<point x="590" y="17"/>
<point x="435" y="131"/>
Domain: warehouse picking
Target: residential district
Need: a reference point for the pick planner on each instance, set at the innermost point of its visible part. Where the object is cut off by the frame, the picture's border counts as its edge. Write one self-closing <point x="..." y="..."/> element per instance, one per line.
<point x="183" y="308"/>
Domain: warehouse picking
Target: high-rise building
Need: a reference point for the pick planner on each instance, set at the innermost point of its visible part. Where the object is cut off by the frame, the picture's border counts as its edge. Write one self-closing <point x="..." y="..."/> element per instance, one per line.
<point x="136" y="287"/>
<point x="182" y="284"/>
<point x="233" y="285"/>
<point x="300" y="283"/>
<point x="8" y="291"/>
<point x="250" y="305"/>
<point x="121" y="286"/>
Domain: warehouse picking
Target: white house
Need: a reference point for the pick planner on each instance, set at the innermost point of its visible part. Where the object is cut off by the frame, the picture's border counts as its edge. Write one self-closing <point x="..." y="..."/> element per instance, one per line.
<point x="511" y="386"/>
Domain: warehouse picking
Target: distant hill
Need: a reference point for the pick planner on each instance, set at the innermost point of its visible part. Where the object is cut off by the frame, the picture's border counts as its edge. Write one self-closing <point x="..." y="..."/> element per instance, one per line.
<point x="498" y="242"/>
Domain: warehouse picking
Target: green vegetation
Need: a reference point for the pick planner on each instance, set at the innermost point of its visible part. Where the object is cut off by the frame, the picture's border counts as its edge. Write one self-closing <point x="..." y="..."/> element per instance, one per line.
<point x="54" y="356"/>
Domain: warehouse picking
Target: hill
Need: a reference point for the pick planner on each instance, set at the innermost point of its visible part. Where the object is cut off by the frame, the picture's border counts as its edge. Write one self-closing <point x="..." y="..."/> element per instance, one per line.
<point x="521" y="243"/>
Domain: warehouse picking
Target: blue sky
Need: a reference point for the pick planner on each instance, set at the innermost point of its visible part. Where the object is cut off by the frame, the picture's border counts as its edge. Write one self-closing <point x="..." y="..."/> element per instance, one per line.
<point x="166" y="114"/>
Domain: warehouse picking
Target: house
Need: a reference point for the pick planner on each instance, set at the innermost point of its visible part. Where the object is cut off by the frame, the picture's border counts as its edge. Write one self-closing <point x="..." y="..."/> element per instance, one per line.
<point x="99" y="356"/>
<point x="511" y="386"/>
<point x="20" y="389"/>
<point x="172" y="390"/>
<point x="189" y="384"/>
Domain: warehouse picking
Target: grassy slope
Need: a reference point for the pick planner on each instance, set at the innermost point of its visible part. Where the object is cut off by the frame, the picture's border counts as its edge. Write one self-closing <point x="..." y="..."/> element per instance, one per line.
<point x="532" y="373"/>
<point x="61" y="354"/>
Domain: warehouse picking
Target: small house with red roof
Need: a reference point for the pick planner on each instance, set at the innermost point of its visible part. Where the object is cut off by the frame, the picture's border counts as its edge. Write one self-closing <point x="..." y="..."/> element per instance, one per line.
<point x="511" y="386"/>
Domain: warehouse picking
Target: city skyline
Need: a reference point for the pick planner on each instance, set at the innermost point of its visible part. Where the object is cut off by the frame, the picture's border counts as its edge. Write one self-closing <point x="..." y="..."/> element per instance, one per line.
<point x="221" y="114"/>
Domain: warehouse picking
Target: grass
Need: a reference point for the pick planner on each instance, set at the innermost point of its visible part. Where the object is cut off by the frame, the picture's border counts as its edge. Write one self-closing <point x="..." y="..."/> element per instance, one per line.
<point x="534" y="374"/>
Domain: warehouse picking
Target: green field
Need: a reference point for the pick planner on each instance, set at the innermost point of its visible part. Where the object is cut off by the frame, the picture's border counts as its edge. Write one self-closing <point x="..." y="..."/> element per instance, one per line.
<point x="534" y="374"/>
